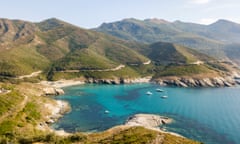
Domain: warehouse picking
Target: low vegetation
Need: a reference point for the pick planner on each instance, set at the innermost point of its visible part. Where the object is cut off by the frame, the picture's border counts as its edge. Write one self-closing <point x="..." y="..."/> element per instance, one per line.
<point x="22" y="110"/>
<point x="184" y="70"/>
<point x="133" y="135"/>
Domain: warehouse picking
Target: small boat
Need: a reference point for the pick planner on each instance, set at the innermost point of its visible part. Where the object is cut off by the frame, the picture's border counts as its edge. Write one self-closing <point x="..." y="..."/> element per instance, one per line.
<point x="164" y="97"/>
<point x="106" y="111"/>
<point x="148" y="93"/>
<point x="159" y="90"/>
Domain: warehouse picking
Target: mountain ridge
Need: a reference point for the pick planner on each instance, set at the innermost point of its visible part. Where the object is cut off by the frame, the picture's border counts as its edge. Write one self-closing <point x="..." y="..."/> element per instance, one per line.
<point x="210" y="39"/>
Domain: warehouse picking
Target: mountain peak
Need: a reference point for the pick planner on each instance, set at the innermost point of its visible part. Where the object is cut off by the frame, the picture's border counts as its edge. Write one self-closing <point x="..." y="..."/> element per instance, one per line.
<point x="50" y="24"/>
<point x="223" y="22"/>
<point x="157" y="21"/>
<point x="130" y="20"/>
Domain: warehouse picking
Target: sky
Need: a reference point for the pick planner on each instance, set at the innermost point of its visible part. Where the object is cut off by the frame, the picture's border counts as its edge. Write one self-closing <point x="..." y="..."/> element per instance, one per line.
<point x="92" y="13"/>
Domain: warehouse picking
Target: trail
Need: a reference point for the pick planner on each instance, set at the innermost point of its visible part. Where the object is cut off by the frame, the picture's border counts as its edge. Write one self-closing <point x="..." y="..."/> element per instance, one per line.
<point x="34" y="74"/>
<point x="14" y="110"/>
<point x="103" y="70"/>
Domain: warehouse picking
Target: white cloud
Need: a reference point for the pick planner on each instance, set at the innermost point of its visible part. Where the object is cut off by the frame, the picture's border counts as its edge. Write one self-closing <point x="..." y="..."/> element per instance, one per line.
<point x="200" y="1"/>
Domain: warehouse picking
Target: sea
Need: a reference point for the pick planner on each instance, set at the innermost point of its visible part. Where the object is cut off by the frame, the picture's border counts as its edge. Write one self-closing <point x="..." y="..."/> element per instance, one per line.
<point x="208" y="115"/>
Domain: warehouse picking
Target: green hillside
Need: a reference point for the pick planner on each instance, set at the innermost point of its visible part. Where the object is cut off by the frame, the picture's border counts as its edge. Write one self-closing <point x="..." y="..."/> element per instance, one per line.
<point x="176" y="60"/>
<point x="56" y="45"/>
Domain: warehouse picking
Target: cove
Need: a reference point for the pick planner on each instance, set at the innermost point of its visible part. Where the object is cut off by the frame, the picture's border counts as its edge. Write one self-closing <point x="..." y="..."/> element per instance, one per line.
<point x="209" y="115"/>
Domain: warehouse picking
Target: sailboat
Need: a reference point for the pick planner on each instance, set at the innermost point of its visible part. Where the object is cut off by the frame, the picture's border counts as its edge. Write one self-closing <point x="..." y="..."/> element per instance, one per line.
<point x="164" y="97"/>
<point x="148" y="93"/>
<point x="159" y="90"/>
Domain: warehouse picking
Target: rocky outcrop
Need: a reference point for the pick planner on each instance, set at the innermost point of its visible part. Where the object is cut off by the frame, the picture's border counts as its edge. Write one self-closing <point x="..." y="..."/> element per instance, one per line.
<point x="196" y="82"/>
<point x="147" y="120"/>
<point x="55" y="110"/>
<point x="52" y="91"/>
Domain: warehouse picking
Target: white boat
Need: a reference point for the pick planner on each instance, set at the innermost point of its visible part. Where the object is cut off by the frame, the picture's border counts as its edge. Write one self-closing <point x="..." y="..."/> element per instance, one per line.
<point x="164" y="97"/>
<point x="159" y="90"/>
<point x="106" y="112"/>
<point x="148" y="93"/>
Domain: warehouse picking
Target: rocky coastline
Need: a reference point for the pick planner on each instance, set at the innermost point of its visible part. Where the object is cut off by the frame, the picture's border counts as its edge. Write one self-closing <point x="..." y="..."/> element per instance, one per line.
<point x="119" y="80"/>
<point x="197" y="82"/>
<point x="55" y="111"/>
<point x="55" y="87"/>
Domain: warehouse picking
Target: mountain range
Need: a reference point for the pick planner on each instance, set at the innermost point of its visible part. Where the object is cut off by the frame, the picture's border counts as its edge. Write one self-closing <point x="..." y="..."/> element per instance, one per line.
<point x="216" y="39"/>
<point x="136" y="49"/>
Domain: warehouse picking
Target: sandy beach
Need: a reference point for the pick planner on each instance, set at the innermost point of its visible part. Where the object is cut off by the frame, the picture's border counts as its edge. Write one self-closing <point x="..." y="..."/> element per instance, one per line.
<point x="62" y="83"/>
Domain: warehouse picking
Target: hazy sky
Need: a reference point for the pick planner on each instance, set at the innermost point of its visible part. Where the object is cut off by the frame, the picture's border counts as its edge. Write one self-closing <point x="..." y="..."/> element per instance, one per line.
<point x="91" y="13"/>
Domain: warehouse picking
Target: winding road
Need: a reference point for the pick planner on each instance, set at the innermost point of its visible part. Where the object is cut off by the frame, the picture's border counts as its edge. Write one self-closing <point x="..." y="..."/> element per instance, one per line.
<point x="104" y="70"/>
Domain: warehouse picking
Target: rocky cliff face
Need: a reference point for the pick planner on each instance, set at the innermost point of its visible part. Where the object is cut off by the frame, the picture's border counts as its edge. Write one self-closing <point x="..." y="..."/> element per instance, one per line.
<point x="196" y="82"/>
<point x="175" y="81"/>
<point x="119" y="80"/>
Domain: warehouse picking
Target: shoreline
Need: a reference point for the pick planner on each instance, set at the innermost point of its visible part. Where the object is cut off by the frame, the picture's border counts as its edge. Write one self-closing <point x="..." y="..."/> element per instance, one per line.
<point x="148" y="121"/>
<point x="56" y="110"/>
<point x="72" y="82"/>
<point x="62" y="83"/>
<point x="176" y="81"/>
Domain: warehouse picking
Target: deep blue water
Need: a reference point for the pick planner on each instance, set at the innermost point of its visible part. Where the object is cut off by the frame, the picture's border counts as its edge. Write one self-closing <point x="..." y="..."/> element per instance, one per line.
<point x="209" y="115"/>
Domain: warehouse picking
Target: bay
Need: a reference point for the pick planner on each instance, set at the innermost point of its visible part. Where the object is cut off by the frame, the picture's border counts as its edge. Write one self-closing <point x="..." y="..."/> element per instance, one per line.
<point x="209" y="115"/>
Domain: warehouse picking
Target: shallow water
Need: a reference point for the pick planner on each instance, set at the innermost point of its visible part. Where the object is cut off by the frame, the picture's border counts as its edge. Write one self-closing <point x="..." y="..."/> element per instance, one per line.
<point x="210" y="115"/>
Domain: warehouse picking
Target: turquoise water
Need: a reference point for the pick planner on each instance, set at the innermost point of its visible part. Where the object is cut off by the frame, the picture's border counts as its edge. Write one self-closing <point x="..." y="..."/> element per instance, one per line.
<point x="210" y="115"/>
